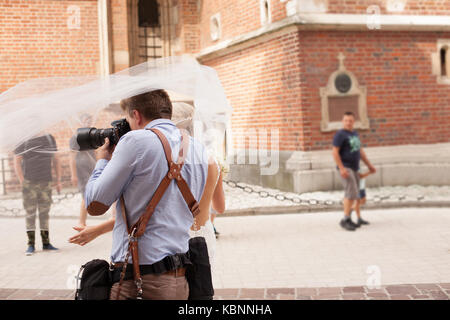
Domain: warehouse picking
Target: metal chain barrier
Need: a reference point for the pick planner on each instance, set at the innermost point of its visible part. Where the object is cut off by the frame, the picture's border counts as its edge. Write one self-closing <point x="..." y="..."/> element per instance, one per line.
<point x="59" y="198"/>
<point x="300" y="201"/>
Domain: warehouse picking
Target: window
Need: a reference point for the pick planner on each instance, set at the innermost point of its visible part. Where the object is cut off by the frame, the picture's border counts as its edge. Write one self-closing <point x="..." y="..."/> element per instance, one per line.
<point x="150" y="42"/>
<point x="265" y="12"/>
<point x="441" y="61"/>
<point x="148" y="13"/>
<point x="215" y="27"/>
<point x="444" y="62"/>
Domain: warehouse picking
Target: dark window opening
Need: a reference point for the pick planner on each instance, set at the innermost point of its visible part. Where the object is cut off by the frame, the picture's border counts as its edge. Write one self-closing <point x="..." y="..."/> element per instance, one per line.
<point x="148" y="13"/>
<point x="444" y="61"/>
<point x="150" y="42"/>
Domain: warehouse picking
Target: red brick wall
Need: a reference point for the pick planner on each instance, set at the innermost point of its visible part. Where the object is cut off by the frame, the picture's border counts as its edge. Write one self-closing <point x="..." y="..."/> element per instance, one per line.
<point x="242" y="16"/>
<point x="405" y="104"/>
<point x="276" y="84"/>
<point x="237" y="17"/>
<point x="36" y="42"/>
<point x="188" y="28"/>
<point x="262" y="83"/>
<point x="414" y="7"/>
<point x="119" y="32"/>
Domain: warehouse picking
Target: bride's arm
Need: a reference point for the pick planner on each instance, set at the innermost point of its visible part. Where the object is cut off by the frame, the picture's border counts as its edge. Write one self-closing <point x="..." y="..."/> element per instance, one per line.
<point x="205" y="201"/>
<point x="218" y="200"/>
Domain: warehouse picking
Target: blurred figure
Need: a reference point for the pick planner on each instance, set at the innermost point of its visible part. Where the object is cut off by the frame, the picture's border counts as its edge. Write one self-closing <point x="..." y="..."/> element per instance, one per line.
<point x="347" y="153"/>
<point x="82" y="163"/>
<point x="33" y="162"/>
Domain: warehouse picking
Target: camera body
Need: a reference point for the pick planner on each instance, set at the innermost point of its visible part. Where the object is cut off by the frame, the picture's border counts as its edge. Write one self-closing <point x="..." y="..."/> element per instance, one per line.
<point x="93" y="138"/>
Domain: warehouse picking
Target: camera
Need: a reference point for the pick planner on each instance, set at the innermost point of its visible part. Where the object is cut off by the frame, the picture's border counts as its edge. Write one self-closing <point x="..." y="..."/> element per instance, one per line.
<point x="93" y="138"/>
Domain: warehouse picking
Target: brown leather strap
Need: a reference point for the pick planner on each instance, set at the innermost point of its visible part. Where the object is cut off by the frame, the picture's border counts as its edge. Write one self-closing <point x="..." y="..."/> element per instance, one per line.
<point x="174" y="172"/>
<point x="182" y="185"/>
<point x="124" y="213"/>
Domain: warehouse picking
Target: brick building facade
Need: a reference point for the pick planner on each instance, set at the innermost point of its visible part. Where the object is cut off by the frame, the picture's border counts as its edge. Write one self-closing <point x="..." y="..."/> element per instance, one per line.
<point x="279" y="62"/>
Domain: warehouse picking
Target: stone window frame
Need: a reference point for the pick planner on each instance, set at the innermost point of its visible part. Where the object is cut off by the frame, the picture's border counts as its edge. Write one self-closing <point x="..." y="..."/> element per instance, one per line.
<point x="330" y="90"/>
<point x="265" y="17"/>
<point x="215" y="34"/>
<point x="436" y="61"/>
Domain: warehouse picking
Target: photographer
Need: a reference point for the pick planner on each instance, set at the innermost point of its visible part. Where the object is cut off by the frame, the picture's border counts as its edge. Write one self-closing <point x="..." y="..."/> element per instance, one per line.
<point x="134" y="168"/>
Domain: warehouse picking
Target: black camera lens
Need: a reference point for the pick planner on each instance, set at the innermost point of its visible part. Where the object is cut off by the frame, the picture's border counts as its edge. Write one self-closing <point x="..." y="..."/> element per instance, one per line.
<point x="93" y="138"/>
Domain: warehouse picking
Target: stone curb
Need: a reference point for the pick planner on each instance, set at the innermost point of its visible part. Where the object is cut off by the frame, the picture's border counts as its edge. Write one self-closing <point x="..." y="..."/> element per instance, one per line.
<point x="438" y="291"/>
<point x="328" y="208"/>
<point x="257" y="211"/>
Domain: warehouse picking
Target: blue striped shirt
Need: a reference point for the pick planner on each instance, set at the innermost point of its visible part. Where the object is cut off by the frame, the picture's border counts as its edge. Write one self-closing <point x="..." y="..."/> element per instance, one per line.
<point x="135" y="170"/>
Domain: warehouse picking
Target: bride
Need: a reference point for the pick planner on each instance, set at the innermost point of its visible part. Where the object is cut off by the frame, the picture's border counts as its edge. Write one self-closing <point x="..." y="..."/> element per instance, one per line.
<point x="213" y="196"/>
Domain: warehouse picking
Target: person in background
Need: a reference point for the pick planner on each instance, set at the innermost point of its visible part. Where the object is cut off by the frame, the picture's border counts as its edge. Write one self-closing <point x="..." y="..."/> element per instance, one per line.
<point x="33" y="162"/>
<point x="82" y="163"/>
<point x="347" y="153"/>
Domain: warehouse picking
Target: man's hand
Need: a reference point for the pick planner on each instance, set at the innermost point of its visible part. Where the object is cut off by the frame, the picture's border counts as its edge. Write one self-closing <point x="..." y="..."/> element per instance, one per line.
<point x="344" y="172"/>
<point x="105" y="151"/>
<point x="86" y="234"/>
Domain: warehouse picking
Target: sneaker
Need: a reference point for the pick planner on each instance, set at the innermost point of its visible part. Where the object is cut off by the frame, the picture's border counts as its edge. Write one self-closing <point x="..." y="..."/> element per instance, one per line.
<point x="354" y="225"/>
<point x="30" y="251"/>
<point x="48" y="247"/>
<point x="361" y="222"/>
<point x="346" y="225"/>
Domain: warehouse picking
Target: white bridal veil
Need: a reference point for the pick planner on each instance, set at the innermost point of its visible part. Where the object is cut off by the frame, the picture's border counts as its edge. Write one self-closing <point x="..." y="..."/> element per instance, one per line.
<point x="60" y="105"/>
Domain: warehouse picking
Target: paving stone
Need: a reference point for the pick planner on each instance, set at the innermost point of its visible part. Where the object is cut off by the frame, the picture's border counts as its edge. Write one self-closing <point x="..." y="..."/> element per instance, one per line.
<point x="420" y="297"/>
<point x="354" y="296"/>
<point x="24" y="294"/>
<point x="252" y="293"/>
<point x="401" y="289"/>
<point x="400" y="297"/>
<point x="445" y="285"/>
<point x="5" y="293"/>
<point x="286" y="297"/>
<point x="227" y="292"/>
<point x="427" y="287"/>
<point x="326" y="297"/>
<point x="306" y="291"/>
<point x="354" y="290"/>
<point x="439" y="295"/>
<point x="377" y="295"/>
<point x="273" y="293"/>
<point x="329" y="291"/>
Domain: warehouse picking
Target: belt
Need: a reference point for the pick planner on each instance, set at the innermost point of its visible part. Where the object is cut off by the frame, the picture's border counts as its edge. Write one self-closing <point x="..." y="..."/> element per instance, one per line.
<point x="180" y="272"/>
<point x="171" y="265"/>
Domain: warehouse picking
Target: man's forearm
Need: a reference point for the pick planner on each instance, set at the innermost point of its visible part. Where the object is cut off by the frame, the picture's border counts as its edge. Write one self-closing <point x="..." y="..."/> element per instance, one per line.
<point x="337" y="159"/>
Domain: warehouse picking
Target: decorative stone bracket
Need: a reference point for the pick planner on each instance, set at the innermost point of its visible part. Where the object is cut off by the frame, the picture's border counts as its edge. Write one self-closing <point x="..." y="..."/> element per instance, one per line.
<point x="343" y="93"/>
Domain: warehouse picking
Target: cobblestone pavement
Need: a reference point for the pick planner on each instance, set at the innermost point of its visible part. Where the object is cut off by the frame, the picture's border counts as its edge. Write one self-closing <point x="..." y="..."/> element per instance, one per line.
<point x="259" y="253"/>
<point x="395" y="292"/>
<point x="240" y="201"/>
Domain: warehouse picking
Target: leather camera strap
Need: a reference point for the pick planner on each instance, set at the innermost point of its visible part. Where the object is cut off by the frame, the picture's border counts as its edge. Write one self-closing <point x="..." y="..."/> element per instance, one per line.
<point x="138" y="229"/>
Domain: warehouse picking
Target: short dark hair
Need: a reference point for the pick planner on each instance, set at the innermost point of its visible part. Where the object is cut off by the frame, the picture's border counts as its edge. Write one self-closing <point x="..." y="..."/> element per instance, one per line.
<point x="349" y="113"/>
<point x="151" y="105"/>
